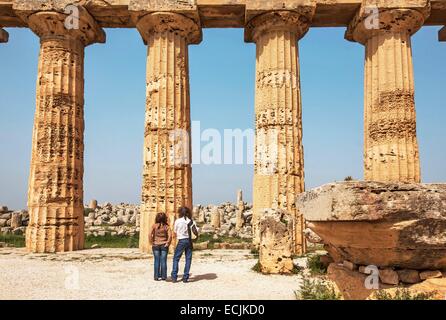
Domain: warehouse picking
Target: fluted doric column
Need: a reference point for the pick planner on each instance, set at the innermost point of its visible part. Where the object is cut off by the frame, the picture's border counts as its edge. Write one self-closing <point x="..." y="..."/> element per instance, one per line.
<point x="167" y="173"/>
<point x="4" y="36"/>
<point x="55" y="195"/>
<point x="279" y="163"/>
<point x="390" y="139"/>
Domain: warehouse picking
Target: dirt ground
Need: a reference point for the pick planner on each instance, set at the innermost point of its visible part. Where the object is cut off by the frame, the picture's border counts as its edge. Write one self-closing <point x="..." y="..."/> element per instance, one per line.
<point x="128" y="274"/>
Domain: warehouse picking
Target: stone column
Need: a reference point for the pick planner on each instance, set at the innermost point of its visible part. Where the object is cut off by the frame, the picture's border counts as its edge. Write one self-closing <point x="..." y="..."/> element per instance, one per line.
<point x="240" y="209"/>
<point x="390" y="138"/>
<point x="279" y="162"/>
<point x="167" y="176"/>
<point x="55" y="195"/>
<point x="4" y="36"/>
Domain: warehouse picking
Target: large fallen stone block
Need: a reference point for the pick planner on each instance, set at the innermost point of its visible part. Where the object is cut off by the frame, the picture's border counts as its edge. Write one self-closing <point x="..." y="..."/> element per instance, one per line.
<point x="382" y="224"/>
<point x="276" y="242"/>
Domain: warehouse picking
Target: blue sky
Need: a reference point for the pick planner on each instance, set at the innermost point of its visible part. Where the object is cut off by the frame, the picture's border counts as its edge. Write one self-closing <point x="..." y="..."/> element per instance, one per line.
<point x="222" y="71"/>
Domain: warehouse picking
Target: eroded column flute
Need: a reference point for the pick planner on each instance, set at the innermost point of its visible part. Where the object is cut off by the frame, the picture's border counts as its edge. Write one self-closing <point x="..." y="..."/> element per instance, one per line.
<point x="390" y="139"/>
<point x="167" y="172"/>
<point x="279" y="163"/>
<point x="55" y="195"/>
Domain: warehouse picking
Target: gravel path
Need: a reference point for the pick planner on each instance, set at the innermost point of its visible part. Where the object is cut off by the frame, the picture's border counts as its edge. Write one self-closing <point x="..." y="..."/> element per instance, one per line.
<point x="127" y="274"/>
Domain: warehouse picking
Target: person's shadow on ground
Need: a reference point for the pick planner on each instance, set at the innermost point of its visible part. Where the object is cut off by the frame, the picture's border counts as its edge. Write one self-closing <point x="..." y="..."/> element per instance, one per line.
<point x="206" y="276"/>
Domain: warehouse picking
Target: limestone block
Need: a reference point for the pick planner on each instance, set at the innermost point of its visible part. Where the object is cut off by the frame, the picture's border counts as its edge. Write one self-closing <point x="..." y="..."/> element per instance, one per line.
<point x="195" y="212"/>
<point x="239" y="196"/>
<point x="16" y="220"/>
<point x="202" y="216"/>
<point x="276" y="242"/>
<point x="215" y="218"/>
<point x="409" y="276"/>
<point x="350" y="283"/>
<point x="382" y="224"/>
<point x="389" y="276"/>
<point x="349" y="265"/>
<point x="93" y="204"/>
<point x="188" y="8"/>
<point x="239" y="220"/>
<point x="430" y="274"/>
<point x="436" y="288"/>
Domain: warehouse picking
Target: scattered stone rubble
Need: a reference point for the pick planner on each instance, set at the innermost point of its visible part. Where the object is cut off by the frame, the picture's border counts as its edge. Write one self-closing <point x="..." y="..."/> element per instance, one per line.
<point x="224" y="220"/>
<point x="14" y="222"/>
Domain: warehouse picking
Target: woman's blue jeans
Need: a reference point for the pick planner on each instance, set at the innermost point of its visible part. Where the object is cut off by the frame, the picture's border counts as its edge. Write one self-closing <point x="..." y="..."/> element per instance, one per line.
<point x="183" y="246"/>
<point x="160" y="254"/>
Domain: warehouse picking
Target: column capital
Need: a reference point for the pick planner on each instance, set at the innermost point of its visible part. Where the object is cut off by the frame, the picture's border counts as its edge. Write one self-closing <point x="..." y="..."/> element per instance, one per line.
<point x="296" y="21"/>
<point x="4" y="36"/>
<point x="62" y="22"/>
<point x="176" y="23"/>
<point x="373" y="19"/>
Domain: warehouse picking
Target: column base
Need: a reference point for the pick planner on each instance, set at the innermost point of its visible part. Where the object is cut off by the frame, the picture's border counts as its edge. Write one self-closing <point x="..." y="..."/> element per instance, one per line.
<point x="52" y="239"/>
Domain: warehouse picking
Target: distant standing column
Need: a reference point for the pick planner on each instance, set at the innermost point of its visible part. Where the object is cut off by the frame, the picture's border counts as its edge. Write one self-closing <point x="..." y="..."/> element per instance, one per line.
<point x="279" y="162"/>
<point x="390" y="138"/>
<point x="4" y="36"/>
<point x="55" y="195"/>
<point x="167" y="176"/>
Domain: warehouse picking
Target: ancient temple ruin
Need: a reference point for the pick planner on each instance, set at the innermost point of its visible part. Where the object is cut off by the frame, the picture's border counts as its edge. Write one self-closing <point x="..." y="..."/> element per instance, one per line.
<point x="168" y="27"/>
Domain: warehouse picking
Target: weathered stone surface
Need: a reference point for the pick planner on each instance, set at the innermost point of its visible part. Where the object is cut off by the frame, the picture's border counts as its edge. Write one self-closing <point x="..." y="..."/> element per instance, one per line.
<point x="389" y="276"/>
<point x="278" y="166"/>
<point x="409" y="276"/>
<point x="349" y="265"/>
<point x="215" y="218"/>
<point x="391" y="146"/>
<point x="430" y="274"/>
<point x="16" y="220"/>
<point x="351" y="284"/>
<point x="311" y="236"/>
<point x="167" y="177"/>
<point x="276" y="242"/>
<point x="93" y="204"/>
<point x="435" y="288"/>
<point x="239" y="219"/>
<point x="222" y="13"/>
<point x="382" y="224"/>
<point x="55" y="198"/>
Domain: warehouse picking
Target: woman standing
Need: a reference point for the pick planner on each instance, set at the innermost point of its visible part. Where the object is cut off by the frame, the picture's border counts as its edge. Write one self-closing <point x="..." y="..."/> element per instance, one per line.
<point x="160" y="238"/>
<point x="184" y="227"/>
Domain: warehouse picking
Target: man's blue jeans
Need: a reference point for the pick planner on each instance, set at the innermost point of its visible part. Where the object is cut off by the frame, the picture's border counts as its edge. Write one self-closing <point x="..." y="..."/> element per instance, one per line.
<point x="160" y="254"/>
<point x="183" y="246"/>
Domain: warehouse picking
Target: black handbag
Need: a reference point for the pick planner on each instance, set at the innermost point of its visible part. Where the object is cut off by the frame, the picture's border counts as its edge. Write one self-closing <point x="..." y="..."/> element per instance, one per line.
<point x="192" y="228"/>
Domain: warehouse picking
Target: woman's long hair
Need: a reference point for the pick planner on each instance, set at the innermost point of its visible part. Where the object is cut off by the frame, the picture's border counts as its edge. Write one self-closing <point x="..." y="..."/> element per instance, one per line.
<point x="161" y="219"/>
<point x="184" y="212"/>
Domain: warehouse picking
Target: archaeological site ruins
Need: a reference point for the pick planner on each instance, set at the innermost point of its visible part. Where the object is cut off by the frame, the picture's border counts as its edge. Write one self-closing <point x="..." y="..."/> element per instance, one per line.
<point x="388" y="220"/>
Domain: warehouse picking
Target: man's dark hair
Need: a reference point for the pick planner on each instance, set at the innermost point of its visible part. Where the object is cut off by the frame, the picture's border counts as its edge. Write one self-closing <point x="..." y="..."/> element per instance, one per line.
<point x="184" y="212"/>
